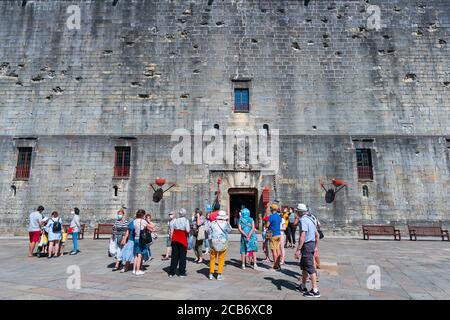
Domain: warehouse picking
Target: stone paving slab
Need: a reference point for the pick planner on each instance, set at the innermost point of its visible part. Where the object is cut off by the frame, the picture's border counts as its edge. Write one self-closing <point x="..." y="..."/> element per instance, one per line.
<point x="409" y="270"/>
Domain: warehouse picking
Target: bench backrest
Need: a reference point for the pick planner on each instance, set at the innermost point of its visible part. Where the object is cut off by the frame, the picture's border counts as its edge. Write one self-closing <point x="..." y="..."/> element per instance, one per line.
<point x="426" y="230"/>
<point x="105" y="228"/>
<point x="379" y="229"/>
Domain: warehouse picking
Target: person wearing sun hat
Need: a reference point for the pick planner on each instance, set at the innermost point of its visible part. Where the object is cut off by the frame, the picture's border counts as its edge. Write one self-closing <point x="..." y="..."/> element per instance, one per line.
<point x="218" y="233"/>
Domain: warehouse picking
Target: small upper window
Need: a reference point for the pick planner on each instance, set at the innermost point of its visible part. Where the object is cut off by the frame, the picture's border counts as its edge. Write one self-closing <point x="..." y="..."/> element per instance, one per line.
<point x="241" y="100"/>
<point x="24" y="163"/>
<point x="122" y="162"/>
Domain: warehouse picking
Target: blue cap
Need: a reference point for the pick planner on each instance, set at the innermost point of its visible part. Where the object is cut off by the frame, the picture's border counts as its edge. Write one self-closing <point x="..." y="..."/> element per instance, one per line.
<point x="208" y="208"/>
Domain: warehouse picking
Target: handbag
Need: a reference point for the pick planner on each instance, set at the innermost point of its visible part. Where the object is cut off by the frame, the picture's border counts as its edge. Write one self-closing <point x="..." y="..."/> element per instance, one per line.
<point x="190" y="241"/>
<point x="201" y="235"/>
<point x="112" y="248"/>
<point x="145" y="237"/>
<point x="69" y="230"/>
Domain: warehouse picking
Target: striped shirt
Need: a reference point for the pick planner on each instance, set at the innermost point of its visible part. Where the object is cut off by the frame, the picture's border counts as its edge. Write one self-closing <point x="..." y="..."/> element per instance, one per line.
<point x="120" y="227"/>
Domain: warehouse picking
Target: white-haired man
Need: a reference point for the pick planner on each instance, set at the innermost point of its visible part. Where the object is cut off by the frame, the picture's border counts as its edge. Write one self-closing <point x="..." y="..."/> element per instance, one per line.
<point x="307" y="246"/>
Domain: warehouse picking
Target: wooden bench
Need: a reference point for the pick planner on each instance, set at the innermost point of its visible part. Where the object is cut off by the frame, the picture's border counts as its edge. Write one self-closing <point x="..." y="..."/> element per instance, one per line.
<point x="102" y="229"/>
<point x="80" y="234"/>
<point x="380" y="230"/>
<point x="427" y="231"/>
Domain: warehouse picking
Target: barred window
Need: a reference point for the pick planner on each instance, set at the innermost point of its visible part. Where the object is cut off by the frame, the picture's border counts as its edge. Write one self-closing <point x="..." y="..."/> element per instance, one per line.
<point x="364" y="163"/>
<point x="122" y="162"/>
<point x="24" y="163"/>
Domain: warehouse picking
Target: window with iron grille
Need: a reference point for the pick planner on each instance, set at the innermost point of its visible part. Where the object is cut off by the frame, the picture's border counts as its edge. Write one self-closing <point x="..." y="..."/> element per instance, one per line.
<point x="122" y="162"/>
<point x="241" y="100"/>
<point x="364" y="163"/>
<point x="23" y="163"/>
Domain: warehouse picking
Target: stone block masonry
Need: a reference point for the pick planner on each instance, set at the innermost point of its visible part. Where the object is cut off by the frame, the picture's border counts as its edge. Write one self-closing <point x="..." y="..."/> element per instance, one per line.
<point x="141" y="69"/>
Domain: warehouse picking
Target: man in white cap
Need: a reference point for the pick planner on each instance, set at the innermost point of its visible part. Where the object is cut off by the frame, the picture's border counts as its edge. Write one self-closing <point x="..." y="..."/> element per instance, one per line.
<point x="307" y="246"/>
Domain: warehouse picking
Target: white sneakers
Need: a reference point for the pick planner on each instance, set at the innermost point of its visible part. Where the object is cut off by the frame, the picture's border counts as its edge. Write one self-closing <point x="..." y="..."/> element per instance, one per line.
<point x="219" y="277"/>
<point x="243" y="267"/>
<point x="139" y="273"/>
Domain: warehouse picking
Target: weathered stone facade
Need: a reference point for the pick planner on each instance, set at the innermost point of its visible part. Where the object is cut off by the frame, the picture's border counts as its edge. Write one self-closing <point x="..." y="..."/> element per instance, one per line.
<point x="141" y="69"/>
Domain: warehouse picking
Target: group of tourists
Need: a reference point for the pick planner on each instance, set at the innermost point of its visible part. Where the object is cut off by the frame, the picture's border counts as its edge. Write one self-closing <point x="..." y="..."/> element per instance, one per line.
<point x="208" y="234"/>
<point x="48" y="235"/>
<point x="204" y="233"/>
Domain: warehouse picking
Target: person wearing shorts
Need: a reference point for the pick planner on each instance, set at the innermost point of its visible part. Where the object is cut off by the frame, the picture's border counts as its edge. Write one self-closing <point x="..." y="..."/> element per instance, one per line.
<point x="34" y="229"/>
<point x="307" y="246"/>
<point x="273" y="225"/>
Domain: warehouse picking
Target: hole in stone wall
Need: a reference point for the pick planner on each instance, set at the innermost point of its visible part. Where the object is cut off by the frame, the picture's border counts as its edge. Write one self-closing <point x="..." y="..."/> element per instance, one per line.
<point x="37" y="78"/>
<point x="365" y="191"/>
<point x="219" y="23"/>
<point x="184" y="96"/>
<point x="314" y="127"/>
<point x="58" y="90"/>
<point x="306" y="3"/>
<point x="410" y="77"/>
<point x="79" y="78"/>
<point x="418" y="33"/>
<point x="295" y="46"/>
<point x="216" y="126"/>
<point x="446" y="83"/>
<point x="115" y="2"/>
<point x="254" y="40"/>
<point x="144" y="95"/>
<point x="107" y="52"/>
<point x="24" y="3"/>
<point x="448" y="143"/>
<point x="116" y="191"/>
<point x="266" y="127"/>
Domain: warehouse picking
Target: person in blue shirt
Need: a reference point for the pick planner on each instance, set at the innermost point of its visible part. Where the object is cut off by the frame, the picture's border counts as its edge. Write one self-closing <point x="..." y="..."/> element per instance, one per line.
<point x="274" y="234"/>
<point x="307" y="247"/>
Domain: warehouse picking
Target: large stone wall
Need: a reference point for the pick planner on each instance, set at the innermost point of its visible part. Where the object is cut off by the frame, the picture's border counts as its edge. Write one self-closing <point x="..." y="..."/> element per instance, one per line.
<point x="144" y="68"/>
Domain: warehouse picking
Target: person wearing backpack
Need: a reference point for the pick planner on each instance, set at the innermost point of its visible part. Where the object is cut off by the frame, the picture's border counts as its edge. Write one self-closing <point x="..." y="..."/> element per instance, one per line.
<point x="218" y="234"/>
<point x="54" y="229"/>
<point x="292" y="228"/>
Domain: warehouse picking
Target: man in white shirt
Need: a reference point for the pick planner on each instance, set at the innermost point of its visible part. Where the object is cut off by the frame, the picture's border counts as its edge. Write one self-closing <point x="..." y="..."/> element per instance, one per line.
<point x="34" y="228"/>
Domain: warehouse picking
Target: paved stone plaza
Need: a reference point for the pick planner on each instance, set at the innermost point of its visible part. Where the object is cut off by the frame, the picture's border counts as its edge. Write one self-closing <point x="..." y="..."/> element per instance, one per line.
<point x="409" y="270"/>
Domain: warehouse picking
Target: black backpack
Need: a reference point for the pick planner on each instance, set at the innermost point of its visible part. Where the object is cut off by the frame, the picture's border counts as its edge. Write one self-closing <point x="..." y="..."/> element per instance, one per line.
<point x="56" y="226"/>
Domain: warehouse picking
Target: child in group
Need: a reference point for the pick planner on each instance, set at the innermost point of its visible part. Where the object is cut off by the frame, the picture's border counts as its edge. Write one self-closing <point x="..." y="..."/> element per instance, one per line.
<point x="62" y="242"/>
<point x="43" y="242"/>
<point x="265" y="243"/>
